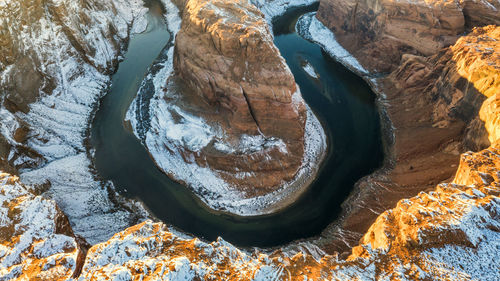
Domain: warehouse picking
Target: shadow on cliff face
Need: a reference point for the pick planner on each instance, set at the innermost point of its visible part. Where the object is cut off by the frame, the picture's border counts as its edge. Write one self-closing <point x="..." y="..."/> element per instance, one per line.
<point x="468" y="83"/>
<point x="155" y="6"/>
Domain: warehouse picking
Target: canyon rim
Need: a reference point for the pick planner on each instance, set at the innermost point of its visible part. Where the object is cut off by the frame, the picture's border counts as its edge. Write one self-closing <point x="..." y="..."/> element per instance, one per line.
<point x="432" y="212"/>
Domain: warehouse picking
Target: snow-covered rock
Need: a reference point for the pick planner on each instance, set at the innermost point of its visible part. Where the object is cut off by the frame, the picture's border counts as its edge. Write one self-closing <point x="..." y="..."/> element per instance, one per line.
<point x="452" y="233"/>
<point x="55" y="62"/>
<point x="36" y="240"/>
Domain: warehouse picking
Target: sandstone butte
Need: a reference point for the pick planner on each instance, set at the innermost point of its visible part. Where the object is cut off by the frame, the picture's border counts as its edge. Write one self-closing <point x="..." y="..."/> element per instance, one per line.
<point x="447" y="232"/>
<point x="231" y="74"/>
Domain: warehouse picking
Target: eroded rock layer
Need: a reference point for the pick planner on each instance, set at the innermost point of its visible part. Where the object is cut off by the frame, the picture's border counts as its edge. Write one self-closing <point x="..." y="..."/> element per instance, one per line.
<point x="225" y="54"/>
<point x="449" y="233"/>
<point x="36" y="239"/>
<point x="378" y="33"/>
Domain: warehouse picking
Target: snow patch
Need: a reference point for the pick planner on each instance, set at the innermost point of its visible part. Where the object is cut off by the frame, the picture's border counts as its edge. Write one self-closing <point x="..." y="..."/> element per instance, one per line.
<point x="309" y="27"/>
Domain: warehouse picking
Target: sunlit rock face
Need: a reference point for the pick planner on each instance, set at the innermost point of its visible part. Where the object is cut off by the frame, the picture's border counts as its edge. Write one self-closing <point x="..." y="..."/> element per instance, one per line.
<point x="461" y="82"/>
<point x="379" y="32"/>
<point x="469" y="86"/>
<point x="36" y="240"/>
<point x="45" y="46"/>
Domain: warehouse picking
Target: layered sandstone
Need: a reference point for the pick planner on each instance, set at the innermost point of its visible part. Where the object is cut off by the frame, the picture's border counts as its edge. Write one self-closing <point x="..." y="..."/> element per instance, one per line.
<point x="378" y="33"/>
<point x="438" y="106"/>
<point x="226" y="57"/>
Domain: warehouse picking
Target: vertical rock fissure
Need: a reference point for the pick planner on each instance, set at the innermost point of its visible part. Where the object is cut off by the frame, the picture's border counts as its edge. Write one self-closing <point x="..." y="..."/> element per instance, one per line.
<point x="353" y="19"/>
<point x="252" y="113"/>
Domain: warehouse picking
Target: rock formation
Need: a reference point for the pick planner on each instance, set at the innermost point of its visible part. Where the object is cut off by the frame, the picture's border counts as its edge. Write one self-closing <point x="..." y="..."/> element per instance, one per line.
<point x="36" y="239"/>
<point x="378" y="33"/>
<point x="436" y="113"/>
<point x="225" y="54"/>
<point x="231" y="122"/>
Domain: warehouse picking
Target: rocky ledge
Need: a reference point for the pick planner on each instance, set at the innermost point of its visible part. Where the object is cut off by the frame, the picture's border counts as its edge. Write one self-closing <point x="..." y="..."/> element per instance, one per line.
<point x="230" y="121"/>
<point x="448" y="233"/>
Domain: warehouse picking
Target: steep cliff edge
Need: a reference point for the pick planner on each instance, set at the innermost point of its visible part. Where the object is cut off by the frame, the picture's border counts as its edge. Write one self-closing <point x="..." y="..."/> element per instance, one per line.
<point x="36" y="239"/>
<point x="230" y="121"/>
<point x="378" y="33"/>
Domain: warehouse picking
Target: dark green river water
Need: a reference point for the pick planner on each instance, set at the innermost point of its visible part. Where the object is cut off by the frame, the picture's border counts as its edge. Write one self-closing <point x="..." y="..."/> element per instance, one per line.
<point x="342" y="101"/>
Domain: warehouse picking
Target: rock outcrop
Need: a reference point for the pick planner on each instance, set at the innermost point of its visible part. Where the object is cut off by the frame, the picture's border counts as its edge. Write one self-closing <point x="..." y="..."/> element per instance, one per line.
<point x="231" y="122"/>
<point x="36" y="239"/>
<point x="225" y="54"/>
<point x="378" y="33"/>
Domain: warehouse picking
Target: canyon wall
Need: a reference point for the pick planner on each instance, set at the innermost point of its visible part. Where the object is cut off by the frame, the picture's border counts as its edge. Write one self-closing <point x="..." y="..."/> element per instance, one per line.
<point x="55" y="62"/>
<point x="378" y="33"/>
<point x="429" y="96"/>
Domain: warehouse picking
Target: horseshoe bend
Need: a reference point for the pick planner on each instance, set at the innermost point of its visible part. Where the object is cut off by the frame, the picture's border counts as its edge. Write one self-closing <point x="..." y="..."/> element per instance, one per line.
<point x="249" y="140"/>
<point x="233" y="125"/>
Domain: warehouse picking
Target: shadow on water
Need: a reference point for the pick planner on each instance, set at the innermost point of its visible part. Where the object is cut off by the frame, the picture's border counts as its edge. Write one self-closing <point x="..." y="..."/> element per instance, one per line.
<point x="343" y="102"/>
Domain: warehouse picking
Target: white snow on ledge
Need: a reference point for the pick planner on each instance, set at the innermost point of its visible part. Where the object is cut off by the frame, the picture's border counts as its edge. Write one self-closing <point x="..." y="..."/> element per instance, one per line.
<point x="274" y="8"/>
<point x="309" y="27"/>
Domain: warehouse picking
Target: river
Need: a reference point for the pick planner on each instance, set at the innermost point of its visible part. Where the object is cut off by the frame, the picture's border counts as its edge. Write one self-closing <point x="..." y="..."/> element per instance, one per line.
<point x="343" y="102"/>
